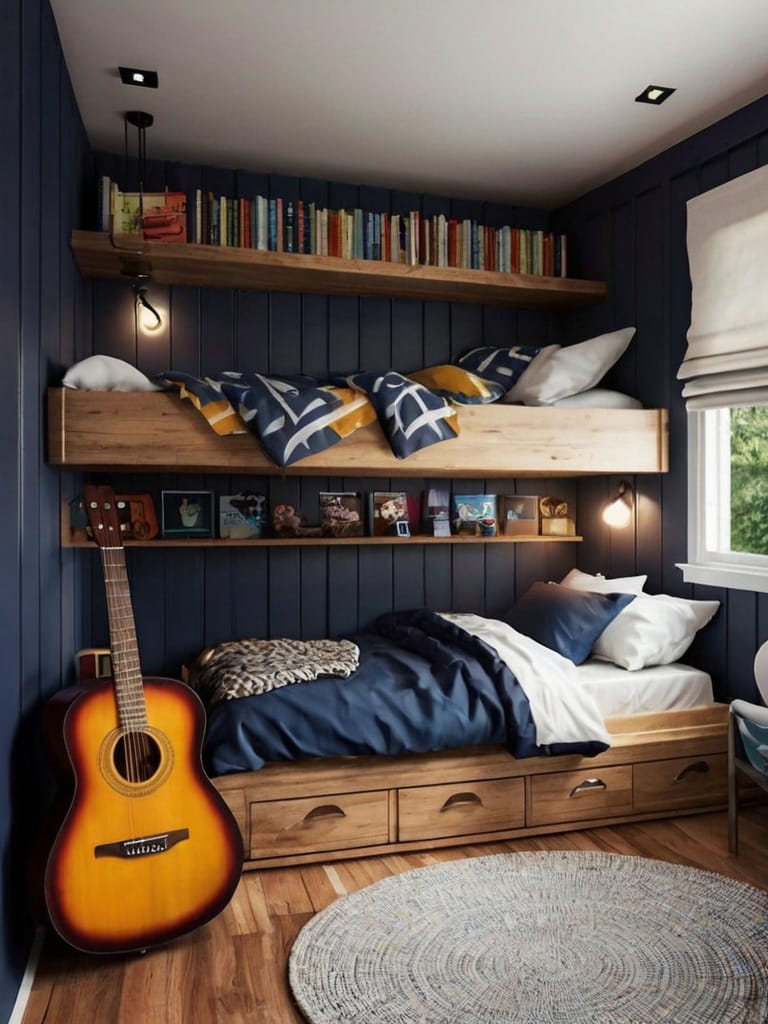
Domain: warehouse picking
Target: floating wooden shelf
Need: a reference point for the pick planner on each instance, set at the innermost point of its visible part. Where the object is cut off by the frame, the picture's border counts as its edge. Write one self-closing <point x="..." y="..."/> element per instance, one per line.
<point x="210" y="266"/>
<point x="158" y="432"/>
<point x="68" y="541"/>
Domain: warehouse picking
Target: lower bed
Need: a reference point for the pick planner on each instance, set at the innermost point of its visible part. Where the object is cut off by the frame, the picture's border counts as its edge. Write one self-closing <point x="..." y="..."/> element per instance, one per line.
<point x="665" y="754"/>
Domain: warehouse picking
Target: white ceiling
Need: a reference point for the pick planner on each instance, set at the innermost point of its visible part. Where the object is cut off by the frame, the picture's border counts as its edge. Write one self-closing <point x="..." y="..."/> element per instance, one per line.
<point x="523" y="101"/>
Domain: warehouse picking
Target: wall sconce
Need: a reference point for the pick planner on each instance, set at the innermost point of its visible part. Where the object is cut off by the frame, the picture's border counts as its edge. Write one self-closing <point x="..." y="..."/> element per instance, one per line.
<point x="148" y="317"/>
<point x="618" y="511"/>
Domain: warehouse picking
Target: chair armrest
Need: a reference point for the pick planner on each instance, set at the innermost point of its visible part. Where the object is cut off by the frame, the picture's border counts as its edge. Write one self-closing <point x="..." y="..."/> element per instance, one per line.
<point x="755" y="713"/>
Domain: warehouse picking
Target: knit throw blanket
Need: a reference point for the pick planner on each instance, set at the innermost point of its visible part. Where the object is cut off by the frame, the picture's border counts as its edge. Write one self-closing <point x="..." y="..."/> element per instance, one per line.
<point x="245" y="667"/>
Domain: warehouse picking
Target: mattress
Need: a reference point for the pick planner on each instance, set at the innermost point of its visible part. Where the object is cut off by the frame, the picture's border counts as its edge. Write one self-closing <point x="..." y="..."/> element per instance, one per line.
<point x="661" y="688"/>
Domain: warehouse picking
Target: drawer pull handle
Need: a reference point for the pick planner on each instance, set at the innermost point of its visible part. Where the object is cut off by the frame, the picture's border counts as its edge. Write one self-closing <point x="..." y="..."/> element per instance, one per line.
<point x="461" y="798"/>
<point x="323" y="811"/>
<point x="586" y="785"/>
<point x="701" y="767"/>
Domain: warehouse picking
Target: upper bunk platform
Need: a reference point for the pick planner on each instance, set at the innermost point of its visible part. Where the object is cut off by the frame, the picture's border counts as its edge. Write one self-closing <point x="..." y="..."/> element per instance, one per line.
<point x="159" y="432"/>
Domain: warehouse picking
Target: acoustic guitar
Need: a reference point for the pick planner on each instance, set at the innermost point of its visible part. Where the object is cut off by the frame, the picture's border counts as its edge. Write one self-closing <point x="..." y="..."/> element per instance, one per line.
<point x="147" y="849"/>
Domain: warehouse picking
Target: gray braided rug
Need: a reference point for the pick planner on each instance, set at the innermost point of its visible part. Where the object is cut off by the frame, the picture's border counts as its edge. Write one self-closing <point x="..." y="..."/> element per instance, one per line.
<point x="538" y="938"/>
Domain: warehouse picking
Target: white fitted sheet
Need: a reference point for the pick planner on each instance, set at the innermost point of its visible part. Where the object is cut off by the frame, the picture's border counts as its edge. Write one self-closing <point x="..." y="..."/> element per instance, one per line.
<point x="661" y="688"/>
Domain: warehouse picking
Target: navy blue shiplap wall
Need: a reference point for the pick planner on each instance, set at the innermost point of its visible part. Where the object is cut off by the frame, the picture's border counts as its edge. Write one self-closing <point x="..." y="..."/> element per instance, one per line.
<point x="631" y="232"/>
<point x="187" y="599"/>
<point x="44" y="168"/>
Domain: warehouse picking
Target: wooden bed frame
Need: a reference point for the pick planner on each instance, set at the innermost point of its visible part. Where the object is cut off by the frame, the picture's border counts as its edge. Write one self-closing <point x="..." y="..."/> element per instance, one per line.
<point x="660" y="765"/>
<point x="118" y="432"/>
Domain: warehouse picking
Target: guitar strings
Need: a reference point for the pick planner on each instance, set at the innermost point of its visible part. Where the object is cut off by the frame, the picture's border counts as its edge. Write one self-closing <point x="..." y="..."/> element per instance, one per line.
<point x="129" y="700"/>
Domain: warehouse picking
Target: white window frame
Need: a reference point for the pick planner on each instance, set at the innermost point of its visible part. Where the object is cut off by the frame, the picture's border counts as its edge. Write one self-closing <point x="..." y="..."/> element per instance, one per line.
<point x="705" y="564"/>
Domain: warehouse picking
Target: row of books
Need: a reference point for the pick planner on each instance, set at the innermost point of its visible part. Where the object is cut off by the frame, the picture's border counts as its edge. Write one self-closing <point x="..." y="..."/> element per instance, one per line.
<point x="296" y="226"/>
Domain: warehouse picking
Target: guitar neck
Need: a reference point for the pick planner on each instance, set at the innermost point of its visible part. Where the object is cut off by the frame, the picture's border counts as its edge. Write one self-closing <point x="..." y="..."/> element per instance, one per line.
<point x="126" y="667"/>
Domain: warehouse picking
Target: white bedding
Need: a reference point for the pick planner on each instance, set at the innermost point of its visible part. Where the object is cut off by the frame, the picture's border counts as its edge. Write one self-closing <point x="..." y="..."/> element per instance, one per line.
<point x="661" y="688"/>
<point x="562" y="711"/>
<point x="568" y="702"/>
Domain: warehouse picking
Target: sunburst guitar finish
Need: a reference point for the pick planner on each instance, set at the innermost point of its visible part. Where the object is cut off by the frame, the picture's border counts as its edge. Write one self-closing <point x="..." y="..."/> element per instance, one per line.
<point x="147" y="849"/>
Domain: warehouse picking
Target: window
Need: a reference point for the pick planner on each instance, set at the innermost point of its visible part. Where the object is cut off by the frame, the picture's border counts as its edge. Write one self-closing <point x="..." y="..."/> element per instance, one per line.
<point x="725" y="370"/>
<point x="728" y="497"/>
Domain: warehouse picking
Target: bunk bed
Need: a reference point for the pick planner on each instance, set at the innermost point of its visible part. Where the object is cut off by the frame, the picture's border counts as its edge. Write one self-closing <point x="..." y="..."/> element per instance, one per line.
<point x="666" y="760"/>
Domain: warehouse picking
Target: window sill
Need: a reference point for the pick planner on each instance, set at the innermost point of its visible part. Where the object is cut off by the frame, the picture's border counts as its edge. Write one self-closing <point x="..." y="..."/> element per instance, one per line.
<point x="735" y="577"/>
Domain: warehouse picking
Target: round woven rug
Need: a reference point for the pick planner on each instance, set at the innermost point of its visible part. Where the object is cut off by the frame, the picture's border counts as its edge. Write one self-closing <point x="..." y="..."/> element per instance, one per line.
<point x="534" y="938"/>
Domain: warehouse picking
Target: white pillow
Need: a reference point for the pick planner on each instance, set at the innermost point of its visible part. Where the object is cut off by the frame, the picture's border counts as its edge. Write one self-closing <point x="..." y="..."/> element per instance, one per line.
<point x="599" y="398"/>
<point x="105" y="373"/>
<point x="568" y="370"/>
<point x="578" y="580"/>
<point x="655" y="629"/>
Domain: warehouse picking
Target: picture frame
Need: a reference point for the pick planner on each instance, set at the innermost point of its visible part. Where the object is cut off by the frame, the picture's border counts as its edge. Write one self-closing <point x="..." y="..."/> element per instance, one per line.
<point x="520" y="515"/>
<point x="187" y="514"/>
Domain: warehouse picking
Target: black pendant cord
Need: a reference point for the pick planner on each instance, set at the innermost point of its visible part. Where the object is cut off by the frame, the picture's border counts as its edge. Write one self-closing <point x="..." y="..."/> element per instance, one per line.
<point x="140" y="120"/>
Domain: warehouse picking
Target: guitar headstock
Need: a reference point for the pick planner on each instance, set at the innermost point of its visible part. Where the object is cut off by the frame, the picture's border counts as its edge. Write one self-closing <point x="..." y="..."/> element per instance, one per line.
<point x="101" y="509"/>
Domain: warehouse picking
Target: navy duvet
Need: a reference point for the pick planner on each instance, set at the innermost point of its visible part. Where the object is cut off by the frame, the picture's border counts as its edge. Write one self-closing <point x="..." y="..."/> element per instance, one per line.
<point x="423" y="684"/>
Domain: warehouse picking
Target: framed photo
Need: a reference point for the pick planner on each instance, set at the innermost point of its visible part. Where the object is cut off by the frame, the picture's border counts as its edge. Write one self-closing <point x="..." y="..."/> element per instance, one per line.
<point x="475" y="514"/>
<point x="519" y="514"/>
<point x="187" y="514"/>
<point x="341" y="514"/>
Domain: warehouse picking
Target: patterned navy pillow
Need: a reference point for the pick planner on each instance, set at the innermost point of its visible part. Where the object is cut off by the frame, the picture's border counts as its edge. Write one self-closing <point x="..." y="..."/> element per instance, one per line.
<point x="293" y="416"/>
<point x="411" y="416"/>
<point x="501" y="366"/>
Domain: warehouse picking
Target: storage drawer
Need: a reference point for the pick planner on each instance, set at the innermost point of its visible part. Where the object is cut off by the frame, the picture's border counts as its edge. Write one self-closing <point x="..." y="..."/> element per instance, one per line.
<point x="460" y="809"/>
<point x="579" y="796"/>
<point x="681" y="782"/>
<point x="339" y="822"/>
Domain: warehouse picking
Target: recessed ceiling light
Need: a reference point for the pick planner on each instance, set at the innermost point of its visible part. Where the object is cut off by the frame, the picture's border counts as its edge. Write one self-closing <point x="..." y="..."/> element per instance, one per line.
<point x="655" y="94"/>
<point x="136" y="76"/>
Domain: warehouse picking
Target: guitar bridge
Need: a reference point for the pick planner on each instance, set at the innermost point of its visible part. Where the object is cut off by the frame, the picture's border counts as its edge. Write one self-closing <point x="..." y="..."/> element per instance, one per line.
<point x="144" y="846"/>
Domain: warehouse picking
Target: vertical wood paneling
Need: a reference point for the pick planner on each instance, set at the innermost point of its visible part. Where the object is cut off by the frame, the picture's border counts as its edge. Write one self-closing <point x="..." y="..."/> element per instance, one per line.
<point x="11" y="610"/>
<point x="45" y="312"/>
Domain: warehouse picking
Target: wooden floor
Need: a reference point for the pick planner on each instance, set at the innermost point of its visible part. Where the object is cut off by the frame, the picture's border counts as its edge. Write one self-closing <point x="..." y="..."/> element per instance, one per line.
<point x="234" y="969"/>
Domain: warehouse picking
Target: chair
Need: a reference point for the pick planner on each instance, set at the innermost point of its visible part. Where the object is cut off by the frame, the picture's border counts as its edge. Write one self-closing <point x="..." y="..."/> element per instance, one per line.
<point x="747" y="745"/>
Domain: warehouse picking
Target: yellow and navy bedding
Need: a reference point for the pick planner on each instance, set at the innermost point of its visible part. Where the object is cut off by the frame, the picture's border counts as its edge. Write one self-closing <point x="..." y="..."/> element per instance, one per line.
<point x="295" y="416"/>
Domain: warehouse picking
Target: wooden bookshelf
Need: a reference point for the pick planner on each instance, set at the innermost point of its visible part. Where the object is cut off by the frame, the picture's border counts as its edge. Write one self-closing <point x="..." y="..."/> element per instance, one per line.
<point x="210" y="266"/>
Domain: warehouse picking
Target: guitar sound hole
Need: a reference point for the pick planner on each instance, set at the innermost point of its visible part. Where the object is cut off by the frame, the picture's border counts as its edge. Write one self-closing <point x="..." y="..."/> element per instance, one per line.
<point x="136" y="757"/>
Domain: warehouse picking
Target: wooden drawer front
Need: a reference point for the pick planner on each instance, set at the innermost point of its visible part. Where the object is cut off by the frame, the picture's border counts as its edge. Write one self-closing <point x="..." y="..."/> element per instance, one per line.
<point x="460" y="809"/>
<point x="339" y="822"/>
<point x="577" y="796"/>
<point x="681" y="782"/>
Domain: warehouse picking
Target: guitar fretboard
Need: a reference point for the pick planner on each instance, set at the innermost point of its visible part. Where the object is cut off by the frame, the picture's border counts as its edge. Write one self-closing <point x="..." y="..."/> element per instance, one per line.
<point x="126" y="668"/>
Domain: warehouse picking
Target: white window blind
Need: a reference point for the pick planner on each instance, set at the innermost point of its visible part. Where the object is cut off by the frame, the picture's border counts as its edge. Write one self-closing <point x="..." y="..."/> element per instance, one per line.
<point x="726" y="362"/>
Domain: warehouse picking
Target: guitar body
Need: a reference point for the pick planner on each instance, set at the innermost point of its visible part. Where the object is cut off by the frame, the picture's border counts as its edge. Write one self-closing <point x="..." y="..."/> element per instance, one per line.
<point x="147" y="849"/>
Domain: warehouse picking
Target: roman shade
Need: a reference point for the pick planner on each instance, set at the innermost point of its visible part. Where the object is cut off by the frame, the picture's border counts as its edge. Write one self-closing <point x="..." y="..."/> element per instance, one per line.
<point x="726" y="362"/>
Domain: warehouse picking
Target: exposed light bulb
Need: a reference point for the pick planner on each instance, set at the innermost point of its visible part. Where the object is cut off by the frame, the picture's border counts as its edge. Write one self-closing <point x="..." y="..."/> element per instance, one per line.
<point x="149" y="319"/>
<point x="617" y="514"/>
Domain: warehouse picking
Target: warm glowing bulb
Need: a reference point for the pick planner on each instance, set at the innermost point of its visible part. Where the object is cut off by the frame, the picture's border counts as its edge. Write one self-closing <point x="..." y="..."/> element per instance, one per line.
<point x="653" y="94"/>
<point x="617" y="514"/>
<point x="149" y="320"/>
<point x="137" y="76"/>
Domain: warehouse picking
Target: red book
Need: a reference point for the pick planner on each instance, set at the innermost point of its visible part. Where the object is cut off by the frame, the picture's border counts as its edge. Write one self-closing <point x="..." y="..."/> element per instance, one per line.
<point x="452" y="246"/>
<point x="300" y="225"/>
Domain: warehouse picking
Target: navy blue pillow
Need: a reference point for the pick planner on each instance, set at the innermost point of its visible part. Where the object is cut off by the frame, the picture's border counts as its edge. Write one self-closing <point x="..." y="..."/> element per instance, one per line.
<point x="565" y="620"/>
<point x="500" y="366"/>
